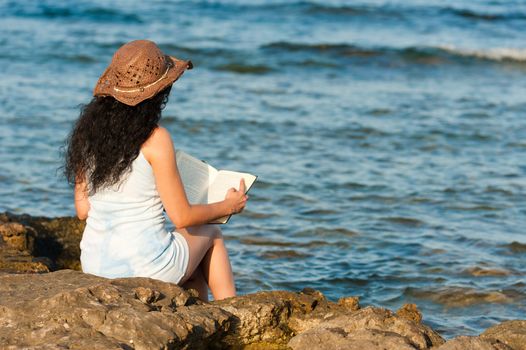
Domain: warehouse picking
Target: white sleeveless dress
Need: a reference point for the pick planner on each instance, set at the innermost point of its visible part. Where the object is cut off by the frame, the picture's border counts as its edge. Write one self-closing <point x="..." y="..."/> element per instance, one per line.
<point x="125" y="234"/>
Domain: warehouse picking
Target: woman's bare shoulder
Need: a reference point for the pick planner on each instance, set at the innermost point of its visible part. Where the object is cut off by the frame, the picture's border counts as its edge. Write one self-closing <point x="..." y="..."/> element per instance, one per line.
<point x="160" y="141"/>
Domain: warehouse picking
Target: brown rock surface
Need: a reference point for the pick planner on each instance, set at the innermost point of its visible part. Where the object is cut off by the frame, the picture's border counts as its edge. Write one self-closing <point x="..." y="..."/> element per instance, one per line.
<point x="68" y="308"/>
<point x="473" y="343"/>
<point x="274" y="317"/>
<point x="410" y="312"/>
<point x="13" y="260"/>
<point x="479" y="271"/>
<point x="512" y="333"/>
<point x="54" y="241"/>
<point x="351" y="303"/>
<point x="72" y="309"/>
<point x="397" y="332"/>
<point x="336" y="338"/>
<point x="17" y="236"/>
<point x="452" y="297"/>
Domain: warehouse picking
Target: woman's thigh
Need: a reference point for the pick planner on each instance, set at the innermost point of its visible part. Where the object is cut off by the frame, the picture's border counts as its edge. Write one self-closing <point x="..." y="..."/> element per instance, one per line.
<point x="200" y="239"/>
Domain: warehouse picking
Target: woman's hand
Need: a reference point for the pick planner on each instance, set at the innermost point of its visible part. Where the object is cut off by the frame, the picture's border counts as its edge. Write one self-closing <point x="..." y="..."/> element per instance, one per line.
<point x="160" y="153"/>
<point x="237" y="199"/>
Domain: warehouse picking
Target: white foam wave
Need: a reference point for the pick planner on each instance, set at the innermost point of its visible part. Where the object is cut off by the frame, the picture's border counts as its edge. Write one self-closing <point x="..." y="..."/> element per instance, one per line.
<point x="494" y="54"/>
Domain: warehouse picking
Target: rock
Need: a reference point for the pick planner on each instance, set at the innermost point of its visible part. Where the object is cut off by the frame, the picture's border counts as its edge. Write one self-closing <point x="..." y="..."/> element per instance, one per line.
<point x="350" y="303"/>
<point x="13" y="260"/>
<point x="479" y="271"/>
<point x="70" y="309"/>
<point x="146" y="295"/>
<point x="336" y="338"/>
<point x="274" y="317"/>
<point x="511" y="333"/>
<point x="54" y="242"/>
<point x="460" y="296"/>
<point x="264" y="317"/>
<point x="472" y="343"/>
<point x="410" y="312"/>
<point x="398" y="332"/>
<point x="17" y="236"/>
<point x="38" y="245"/>
<point x="517" y="247"/>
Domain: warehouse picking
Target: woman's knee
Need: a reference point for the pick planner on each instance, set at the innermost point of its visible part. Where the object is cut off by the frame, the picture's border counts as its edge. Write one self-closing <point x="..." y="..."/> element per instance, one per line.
<point x="211" y="231"/>
<point x="216" y="232"/>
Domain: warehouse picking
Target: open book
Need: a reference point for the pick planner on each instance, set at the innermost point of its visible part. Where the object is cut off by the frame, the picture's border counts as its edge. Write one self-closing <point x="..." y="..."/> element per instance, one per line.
<point x="204" y="184"/>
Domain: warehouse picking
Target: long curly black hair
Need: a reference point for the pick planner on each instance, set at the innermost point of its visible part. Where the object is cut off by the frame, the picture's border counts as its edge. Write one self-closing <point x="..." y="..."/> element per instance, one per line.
<point x="107" y="137"/>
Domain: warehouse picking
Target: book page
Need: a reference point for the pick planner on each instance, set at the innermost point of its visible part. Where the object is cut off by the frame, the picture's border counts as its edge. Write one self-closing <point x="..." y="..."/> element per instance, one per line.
<point x="224" y="181"/>
<point x="197" y="176"/>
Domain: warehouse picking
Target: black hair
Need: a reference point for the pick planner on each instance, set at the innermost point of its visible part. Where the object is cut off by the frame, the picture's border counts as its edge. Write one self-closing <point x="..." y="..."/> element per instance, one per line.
<point x="107" y="137"/>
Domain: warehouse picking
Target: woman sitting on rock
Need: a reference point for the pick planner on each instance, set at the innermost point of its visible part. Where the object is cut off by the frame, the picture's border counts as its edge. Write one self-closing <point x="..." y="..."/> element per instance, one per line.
<point x="122" y="164"/>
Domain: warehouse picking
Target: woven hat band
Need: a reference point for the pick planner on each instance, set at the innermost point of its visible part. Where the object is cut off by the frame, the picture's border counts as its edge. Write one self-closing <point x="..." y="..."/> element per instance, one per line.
<point x="130" y="90"/>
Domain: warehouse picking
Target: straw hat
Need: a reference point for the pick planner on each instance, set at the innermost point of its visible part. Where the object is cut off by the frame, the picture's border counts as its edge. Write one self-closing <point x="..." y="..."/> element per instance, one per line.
<point x="138" y="71"/>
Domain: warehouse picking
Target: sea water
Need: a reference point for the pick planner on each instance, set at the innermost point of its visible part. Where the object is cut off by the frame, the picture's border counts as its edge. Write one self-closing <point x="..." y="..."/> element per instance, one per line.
<point x="389" y="137"/>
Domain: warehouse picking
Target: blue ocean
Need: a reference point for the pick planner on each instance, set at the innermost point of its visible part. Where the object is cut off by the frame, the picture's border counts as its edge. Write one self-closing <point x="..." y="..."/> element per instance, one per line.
<point x="389" y="137"/>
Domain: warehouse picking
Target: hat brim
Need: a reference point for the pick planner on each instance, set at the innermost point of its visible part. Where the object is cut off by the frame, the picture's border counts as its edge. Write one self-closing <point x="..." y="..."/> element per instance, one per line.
<point x="132" y="96"/>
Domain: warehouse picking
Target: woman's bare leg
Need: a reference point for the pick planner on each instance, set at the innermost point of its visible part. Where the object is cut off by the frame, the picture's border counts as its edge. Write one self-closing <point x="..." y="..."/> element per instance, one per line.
<point x="208" y="254"/>
<point x="218" y="271"/>
<point x="197" y="281"/>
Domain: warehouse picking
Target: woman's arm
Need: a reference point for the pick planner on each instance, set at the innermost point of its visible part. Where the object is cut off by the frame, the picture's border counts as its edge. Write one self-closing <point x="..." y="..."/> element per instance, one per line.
<point x="159" y="151"/>
<point x="81" y="199"/>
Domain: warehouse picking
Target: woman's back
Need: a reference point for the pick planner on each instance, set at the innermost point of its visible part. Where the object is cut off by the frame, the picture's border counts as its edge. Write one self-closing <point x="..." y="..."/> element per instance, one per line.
<point x="125" y="231"/>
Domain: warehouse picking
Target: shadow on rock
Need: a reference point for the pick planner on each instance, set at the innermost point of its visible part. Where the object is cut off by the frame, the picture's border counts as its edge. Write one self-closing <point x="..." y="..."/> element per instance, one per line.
<point x="39" y="244"/>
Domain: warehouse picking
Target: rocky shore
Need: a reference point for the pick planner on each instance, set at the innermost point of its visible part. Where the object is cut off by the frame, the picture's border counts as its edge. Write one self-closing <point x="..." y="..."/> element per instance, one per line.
<point x="47" y="303"/>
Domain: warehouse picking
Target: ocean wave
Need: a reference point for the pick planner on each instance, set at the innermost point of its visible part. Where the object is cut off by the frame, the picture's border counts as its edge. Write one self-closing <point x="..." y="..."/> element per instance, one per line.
<point x="337" y="232"/>
<point x="430" y="54"/>
<point x="261" y="241"/>
<point x="54" y="11"/>
<point x="492" y="54"/>
<point x="274" y="56"/>
<point x="485" y="16"/>
<point x="243" y="68"/>
<point x="48" y="9"/>
<point x="304" y="7"/>
<point x="390" y="11"/>
<point x="329" y="48"/>
<point x="406" y="221"/>
<point x="383" y="11"/>
<point x="284" y="254"/>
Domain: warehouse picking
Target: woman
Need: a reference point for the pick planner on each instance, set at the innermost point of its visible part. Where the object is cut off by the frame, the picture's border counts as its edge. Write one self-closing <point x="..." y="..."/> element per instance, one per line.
<point x="122" y="165"/>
